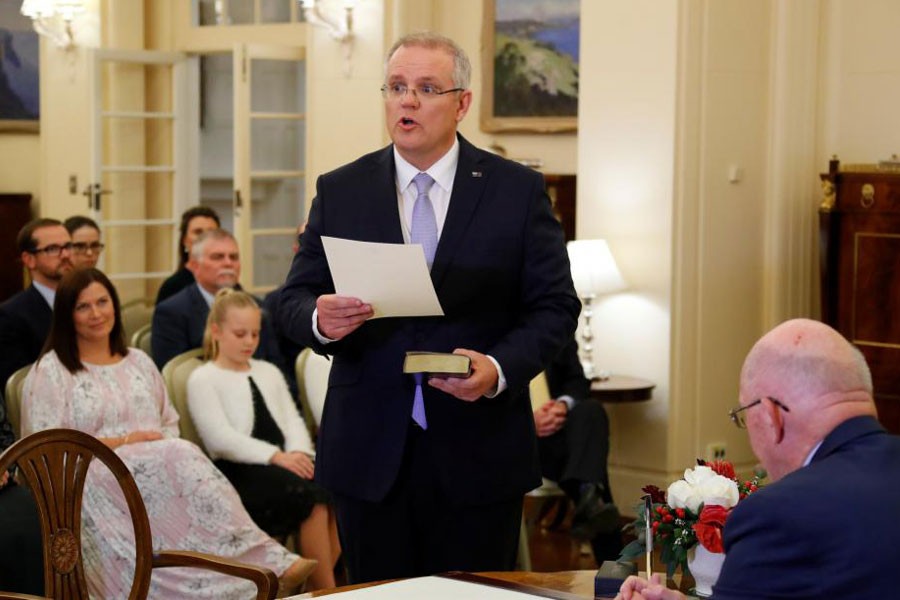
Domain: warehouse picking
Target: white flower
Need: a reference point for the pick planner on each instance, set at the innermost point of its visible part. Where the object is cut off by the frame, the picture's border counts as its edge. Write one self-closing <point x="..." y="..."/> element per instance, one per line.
<point x="702" y="485"/>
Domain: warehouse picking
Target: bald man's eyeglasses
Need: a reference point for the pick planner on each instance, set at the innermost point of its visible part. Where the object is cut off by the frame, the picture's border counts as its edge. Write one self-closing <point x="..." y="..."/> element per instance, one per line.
<point x="738" y="419"/>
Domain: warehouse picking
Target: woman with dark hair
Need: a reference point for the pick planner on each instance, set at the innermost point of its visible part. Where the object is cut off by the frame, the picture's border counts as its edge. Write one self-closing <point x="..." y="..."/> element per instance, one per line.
<point x="194" y="221"/>
<point x="86" y="244"/>
<point x="88" y="379"/>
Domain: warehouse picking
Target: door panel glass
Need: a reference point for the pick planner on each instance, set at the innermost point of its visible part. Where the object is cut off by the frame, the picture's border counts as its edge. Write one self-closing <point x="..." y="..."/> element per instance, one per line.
<point x="217" y="136"/>
<point x="240" y="12"/>
<point x="278" y="144"/>
<point x="277" y="203"/>
<point x="276" y="11"/>
<point x="272" y="256"/>
<point x="278" y="86"/>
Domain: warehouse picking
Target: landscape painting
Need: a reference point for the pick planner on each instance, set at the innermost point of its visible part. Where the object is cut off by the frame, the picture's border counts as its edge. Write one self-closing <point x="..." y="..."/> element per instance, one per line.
<point x="530" y="64"/>
<point x="19" y="89"/>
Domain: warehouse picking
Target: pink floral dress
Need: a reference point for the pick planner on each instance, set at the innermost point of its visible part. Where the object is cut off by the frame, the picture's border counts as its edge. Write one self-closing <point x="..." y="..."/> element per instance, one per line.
<point x="190" y="503"/>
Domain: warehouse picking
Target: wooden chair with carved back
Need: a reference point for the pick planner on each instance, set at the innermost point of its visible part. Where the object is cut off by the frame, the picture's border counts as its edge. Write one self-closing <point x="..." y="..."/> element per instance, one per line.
<point x="54" y="464"/>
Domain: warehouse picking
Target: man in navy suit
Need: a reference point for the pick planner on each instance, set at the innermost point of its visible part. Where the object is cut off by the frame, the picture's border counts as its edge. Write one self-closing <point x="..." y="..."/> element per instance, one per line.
<point x="826" y="527"/>
<point x="444" y="491"/>
<point x="180" y="320"/>
<point x="45" y="249"/>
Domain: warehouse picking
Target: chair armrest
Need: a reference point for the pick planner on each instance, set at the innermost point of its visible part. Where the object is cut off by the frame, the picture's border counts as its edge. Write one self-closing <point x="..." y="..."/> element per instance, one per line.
<point x="266" y="581"/>
<point x="15" y="596"/>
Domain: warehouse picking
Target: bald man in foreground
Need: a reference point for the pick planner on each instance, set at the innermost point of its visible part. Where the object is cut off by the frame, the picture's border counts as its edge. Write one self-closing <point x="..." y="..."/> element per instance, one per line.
<point x="827" y="526"/>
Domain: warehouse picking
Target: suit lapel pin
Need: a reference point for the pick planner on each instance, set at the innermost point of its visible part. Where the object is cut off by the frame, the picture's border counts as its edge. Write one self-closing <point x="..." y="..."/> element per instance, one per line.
<point x="476" y="173"/>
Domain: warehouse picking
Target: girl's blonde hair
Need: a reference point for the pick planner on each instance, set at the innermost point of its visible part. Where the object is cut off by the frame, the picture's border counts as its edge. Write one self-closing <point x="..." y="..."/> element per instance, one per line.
<point x="225" y="298"/>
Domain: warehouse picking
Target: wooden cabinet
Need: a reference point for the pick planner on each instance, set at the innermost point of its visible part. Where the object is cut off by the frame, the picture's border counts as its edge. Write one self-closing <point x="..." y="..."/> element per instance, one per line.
<point x="15" y="211"/>
<point x="859" y="222"/>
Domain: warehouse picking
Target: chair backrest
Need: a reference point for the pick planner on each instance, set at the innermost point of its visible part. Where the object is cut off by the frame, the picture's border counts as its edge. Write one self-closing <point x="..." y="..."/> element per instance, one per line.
<point x="136" y="314"/>
<point x="312" y="383"/>
<point x="13" y="396"/>
<point x="54" y="464"/>
<point x="141" y="338"/>
<point x="176" y="373"/>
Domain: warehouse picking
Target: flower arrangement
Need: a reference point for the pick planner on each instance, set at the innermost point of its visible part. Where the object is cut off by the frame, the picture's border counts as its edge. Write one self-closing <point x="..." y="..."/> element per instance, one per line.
<point x="693" y="510"/>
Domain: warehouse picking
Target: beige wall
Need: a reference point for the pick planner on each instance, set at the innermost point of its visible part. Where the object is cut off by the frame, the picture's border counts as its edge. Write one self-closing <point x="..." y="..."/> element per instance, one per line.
<point x="860" y="88"/>
<point x="20" y="164"/>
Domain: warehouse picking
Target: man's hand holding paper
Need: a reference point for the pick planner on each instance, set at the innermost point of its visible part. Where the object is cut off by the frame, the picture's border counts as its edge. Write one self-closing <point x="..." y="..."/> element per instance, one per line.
<point x="339" y="316"/>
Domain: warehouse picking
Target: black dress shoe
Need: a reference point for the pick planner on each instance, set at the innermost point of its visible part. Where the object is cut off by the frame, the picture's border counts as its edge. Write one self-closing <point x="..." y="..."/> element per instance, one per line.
<point x="594" y="516"/>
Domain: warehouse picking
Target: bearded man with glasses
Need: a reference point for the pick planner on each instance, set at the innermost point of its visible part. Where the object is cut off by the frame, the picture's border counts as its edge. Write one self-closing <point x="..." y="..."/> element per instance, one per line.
<point x="45" y="249"/>
<point x="825" y="527"/>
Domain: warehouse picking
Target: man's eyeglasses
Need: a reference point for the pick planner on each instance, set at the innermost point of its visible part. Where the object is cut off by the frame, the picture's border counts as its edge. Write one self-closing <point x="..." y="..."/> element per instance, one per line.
<point x="84" y="247"/>
<point x="396" y="91"/>
<point x="738" y="419"/>
<point x="53" y="249"/>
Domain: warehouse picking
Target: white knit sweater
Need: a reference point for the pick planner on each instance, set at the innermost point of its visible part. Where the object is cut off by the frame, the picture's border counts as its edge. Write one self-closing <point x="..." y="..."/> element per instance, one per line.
<point x="221" y="406"/>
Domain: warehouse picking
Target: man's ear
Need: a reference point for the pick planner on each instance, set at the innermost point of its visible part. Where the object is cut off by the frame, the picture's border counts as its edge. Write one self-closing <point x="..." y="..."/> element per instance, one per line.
<point x="29" y="260"/>
<point x="191" y="264"/>
<point x="774" y="419"/>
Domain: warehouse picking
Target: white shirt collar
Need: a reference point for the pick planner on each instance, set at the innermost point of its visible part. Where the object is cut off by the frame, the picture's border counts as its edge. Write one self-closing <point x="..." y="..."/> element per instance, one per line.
<point x="49" y="294"/>
<point x="812" y="453"/>
<point x="443" y="171"/>
<point x="206" y="295"/>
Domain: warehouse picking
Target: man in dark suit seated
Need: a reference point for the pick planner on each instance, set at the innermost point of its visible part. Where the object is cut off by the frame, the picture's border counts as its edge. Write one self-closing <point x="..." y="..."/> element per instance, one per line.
<point x="826" y="527"/>
<point x="45" y="249"/>
<point x="430" y="475"/>
<point x="573" y="440"/>
<point x="180" y="320"/>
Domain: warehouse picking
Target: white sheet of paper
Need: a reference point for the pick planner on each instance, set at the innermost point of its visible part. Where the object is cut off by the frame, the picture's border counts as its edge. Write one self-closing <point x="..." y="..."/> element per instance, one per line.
<point x="393" y="278"/>
<point x="432" y="588"/>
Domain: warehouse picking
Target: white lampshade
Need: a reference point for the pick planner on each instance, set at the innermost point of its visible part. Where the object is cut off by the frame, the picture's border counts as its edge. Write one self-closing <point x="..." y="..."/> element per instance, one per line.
<point x="594" y="269"/>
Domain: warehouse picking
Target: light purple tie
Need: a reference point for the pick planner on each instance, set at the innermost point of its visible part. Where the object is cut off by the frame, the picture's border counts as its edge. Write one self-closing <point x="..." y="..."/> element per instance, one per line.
<point x="423" y="231"/>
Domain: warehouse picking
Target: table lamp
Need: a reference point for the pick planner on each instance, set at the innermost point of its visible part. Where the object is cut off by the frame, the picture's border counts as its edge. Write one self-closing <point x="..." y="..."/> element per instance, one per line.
<point x="594" y="272"/>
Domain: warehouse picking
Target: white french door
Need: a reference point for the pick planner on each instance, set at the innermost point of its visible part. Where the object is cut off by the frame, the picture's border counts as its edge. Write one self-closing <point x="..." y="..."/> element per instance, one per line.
<point x="269" y="159"/>
<point x="139" y="185"/>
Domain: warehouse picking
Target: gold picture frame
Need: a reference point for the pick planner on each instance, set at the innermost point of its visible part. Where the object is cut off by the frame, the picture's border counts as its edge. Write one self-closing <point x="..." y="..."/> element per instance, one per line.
<point x="542" y="100"/>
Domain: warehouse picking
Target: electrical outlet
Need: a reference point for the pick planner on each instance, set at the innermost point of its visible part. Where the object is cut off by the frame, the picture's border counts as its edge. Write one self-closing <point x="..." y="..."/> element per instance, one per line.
<point x="715" y="451"/>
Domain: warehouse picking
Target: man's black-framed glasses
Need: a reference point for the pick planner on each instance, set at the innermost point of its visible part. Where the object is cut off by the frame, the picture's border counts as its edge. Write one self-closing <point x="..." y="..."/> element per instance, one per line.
<point x="53" y="249"/>
<point x="738" y="419"/>
<point x="426" y="91"/>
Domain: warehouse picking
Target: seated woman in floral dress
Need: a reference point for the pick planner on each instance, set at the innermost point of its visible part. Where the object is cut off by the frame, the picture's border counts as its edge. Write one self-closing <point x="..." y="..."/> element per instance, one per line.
<point x="249" y="423"/>
<point x="87" y="379"/>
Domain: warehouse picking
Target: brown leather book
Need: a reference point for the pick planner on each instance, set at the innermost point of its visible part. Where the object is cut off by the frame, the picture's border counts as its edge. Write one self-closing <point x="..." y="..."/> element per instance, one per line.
<point x="438" y="364"/>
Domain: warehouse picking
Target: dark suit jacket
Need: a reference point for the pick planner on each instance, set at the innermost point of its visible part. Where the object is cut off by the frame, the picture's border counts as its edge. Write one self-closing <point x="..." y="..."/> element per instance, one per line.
<point x="828" y="530"/>
<point x="502" y="276"/>
<point x="24" y="324"/>
<point x="179" y="323"/>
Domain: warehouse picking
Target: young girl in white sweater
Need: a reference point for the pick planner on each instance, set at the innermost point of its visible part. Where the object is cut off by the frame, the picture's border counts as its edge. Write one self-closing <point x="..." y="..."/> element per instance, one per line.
<point x="250" y="425"/>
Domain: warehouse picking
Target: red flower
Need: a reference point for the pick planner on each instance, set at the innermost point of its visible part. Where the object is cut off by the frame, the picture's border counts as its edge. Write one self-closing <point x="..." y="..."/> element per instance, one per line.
<point x="657" y="496"/>
<point x="708" y="528"/>
<point x="714" y="514"/>
<point x="723" y="468"/>
<point x="710" y="536"/>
